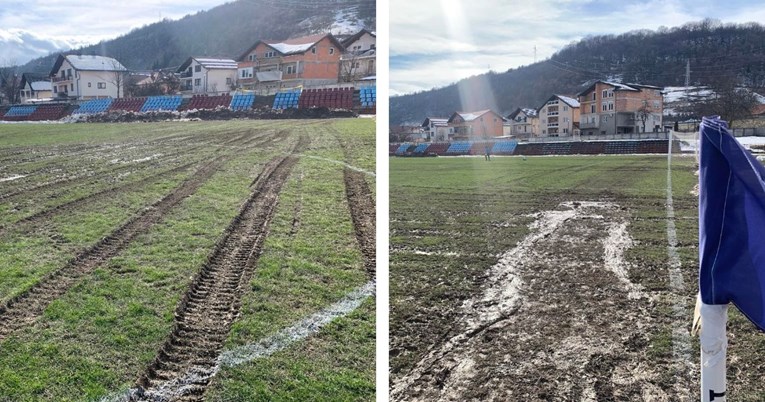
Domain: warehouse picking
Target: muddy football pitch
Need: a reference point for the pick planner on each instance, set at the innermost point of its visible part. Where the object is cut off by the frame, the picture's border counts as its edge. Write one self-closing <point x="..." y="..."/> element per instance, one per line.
<point x="187" y="261"/>
<point x="560" y="278"/>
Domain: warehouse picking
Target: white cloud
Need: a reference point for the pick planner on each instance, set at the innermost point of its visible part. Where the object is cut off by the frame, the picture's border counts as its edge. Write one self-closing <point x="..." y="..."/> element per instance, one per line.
<point x="73" y="23"/>
<point x="445" y="34"/>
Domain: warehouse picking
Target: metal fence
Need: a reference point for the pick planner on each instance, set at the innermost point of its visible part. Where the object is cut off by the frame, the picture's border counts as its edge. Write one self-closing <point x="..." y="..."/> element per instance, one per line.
<point x="603" y="137"/>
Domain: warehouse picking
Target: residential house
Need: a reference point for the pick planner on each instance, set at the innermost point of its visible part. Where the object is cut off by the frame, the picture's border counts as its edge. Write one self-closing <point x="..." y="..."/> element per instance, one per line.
<point x="35" y="87"/>
<point x="524" y="123"/>
<point x="614" y="108"/>
<point x="436" y="129"/>
<point x="559" y="116"/>
<point x="207" y="76"/>
<point x="480" y="125"/>
<point x="269" y="66"/>
<point x="87" y="77"/>
<point x="358" y="61"/>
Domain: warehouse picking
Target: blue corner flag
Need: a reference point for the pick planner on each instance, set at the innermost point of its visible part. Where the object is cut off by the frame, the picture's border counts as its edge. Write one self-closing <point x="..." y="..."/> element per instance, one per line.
<point x="731" y="223"/>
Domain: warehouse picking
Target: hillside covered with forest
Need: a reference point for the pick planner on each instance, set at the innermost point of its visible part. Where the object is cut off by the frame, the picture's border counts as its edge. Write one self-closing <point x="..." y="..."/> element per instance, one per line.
<point x="225" y="31"/>
<point x="647" y="57"/>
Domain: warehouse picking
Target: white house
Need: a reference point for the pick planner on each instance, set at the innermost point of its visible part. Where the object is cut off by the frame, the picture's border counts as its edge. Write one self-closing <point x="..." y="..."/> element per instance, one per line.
<point x="359" y="61"/>
<point x="87" y="77"/>
<point x="203" y="76"/>
<point x="34" y="87"/>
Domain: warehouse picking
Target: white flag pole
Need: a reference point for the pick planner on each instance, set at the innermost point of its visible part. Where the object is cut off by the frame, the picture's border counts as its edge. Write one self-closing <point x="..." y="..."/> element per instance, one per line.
<point x="714" y="344"/>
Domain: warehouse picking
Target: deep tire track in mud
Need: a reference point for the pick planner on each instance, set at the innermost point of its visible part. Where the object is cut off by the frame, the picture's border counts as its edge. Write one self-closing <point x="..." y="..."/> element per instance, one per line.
<point x="362" y="206"/>
<point x="129" y="186"/>
<point x="24" y="308"/>
<point x="187" y="361"/>
<point x="556" y="319"/>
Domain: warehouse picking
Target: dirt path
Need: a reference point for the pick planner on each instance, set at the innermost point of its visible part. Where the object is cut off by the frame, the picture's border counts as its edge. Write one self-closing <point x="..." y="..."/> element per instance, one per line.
<point x="362" y="207"/>
<point x="24" y="309"/>
<point x="189" y="358"/>
<point x="557" y="319"/>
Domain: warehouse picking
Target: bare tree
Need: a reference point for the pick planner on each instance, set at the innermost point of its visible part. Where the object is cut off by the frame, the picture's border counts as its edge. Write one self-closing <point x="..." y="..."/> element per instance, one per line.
<point x="10" y="81"/>
<point x="643" y="113"/>
<point x="731" y="101"/>
<point x="349" y="67"/>
<point x="118" y="76"/>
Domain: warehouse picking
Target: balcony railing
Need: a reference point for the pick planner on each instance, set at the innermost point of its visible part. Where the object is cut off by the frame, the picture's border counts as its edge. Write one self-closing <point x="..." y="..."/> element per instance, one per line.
<point x="60" y="79"/>
<point x="186" y="74"/>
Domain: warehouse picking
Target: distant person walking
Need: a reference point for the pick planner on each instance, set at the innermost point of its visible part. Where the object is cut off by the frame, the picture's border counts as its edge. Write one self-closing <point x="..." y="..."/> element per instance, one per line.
<point x="487" y="151"/>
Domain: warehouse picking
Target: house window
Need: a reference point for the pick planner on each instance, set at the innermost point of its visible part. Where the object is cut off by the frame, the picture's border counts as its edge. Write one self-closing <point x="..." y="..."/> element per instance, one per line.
<point x="72" y="84"/>
<point x="565" y="119"/>
<point x="252" y="57"/>
<point x="565" y="131"/>
<point x="592" y="108"/>
<point x="593" y="96"/>
<point x="197" y="81"/>
<point x="610" y="106"/>
<point x="69" y="72"/>
<point x="332" y="50"/>
<point x="228" y="80"/>
<point x="605" y="107"/>
<point x="565" y="108"/>
<point x="197" y="68"/>
<point x="605" y="94"/>
<point x="101" y="85"/>
<point x="269" y="54"/>
<point x="89" y="85"/>
<point x="313" y="50"/>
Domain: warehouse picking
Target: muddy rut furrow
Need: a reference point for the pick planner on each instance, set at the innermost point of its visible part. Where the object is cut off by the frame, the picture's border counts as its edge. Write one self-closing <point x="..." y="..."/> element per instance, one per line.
<point x="97" y="196"/>
<point x="362" y="206"/>
<point x="241" y="140"/>
<point x="187" y="361"/>
<point x="24" y="308"/>
<point x="95" y="177"/>
<point x="558" y="318"/>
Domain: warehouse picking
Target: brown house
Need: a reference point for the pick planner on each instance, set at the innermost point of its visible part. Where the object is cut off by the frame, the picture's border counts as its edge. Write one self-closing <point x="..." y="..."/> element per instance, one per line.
<point x="524" y="122"/>
<point x="559" y="116"/>
<point x="479" y="125"/>
<point x="269" y="66"/>
<point x="615" y="108"/>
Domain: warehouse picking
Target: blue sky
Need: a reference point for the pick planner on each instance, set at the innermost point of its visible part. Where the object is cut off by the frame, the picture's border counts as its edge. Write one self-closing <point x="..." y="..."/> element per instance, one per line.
<point x="32" y="28"/>
<point x="437" y="42"/>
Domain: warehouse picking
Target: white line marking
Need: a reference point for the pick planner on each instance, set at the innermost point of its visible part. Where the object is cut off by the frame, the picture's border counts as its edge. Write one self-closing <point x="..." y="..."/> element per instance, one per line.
<point x="681" y="341"/>
<point x="247" y="353"/>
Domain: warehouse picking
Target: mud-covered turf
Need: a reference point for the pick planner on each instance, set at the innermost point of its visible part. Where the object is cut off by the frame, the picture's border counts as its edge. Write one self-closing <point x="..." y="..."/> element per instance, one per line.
<point x="143" y="206"/>
<point x="548" y="279"/>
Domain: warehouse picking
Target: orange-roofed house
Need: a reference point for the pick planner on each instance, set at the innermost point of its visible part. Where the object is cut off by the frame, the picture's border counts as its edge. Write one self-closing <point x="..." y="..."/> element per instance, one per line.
<point x="483" y="124"/>
<point x="272" y="65"/>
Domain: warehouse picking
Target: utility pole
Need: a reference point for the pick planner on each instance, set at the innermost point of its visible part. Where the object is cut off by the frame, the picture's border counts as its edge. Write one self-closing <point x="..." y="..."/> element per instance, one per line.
<point x="687" y="72"/>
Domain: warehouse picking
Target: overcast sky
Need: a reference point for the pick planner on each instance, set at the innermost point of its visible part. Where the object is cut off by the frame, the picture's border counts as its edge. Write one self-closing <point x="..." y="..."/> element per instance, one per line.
<point x="437" y="42"/>
<point x="32" y="28"/>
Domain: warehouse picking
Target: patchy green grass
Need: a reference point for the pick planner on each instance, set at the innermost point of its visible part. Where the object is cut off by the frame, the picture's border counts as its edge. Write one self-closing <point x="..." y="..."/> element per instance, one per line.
<point x="310" y="260"/>
<point x="480" y="209"/>
<point x="103" y="332"/>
